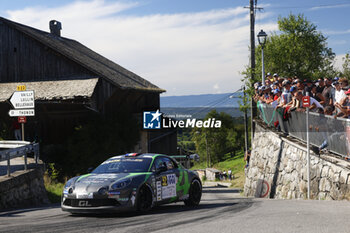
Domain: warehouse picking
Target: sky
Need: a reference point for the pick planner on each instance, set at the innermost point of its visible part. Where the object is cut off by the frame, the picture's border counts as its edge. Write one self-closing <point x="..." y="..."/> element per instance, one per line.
<point x="186" y="47"/>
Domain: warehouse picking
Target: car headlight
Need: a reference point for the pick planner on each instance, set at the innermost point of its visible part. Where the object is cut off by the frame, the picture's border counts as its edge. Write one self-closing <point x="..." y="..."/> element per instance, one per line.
<point x="68" y="184"/>
<point x="68" y="187"/>
<point x="121" y="184"/>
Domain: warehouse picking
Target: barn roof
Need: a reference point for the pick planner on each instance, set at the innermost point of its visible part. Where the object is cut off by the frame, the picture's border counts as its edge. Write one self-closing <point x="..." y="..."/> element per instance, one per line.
<point x="53" y="90"/>
<point x="87" y="58"/>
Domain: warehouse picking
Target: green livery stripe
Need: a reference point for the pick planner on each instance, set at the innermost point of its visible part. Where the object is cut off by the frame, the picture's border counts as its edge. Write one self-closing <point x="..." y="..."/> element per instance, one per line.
<point x="83" y="176"/>
<point x="183" y="183"/>
<point x="153" y="158"/>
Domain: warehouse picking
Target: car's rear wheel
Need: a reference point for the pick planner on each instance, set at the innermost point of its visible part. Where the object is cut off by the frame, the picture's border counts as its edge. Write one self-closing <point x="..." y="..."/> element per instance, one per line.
<point x="195" y="193"/>
<point x="144" y="199"/>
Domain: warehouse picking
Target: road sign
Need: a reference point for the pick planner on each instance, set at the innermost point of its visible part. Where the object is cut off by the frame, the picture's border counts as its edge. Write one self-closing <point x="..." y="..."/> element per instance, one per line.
<point x="22" y="99"/>
<point x="21" y="112"/>
<point x="306" y="101"/>
<point x="21" y="88"/>
<point x="22" y="119"/>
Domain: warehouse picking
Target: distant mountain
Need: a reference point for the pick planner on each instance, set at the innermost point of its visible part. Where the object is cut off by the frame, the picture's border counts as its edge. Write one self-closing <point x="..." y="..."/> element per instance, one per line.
<point x="206" y="100"/>
<point x="197" y="106"/>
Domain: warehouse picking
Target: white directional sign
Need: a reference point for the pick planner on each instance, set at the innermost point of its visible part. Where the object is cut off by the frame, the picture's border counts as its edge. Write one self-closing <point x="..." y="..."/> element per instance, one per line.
<point x="21" y="112"/>
<point x="22" y="99"/>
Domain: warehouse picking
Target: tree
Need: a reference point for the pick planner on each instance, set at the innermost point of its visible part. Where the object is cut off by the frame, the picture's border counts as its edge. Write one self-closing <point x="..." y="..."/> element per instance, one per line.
<point x="220" y="141"/>
<point x="297" y="50"/>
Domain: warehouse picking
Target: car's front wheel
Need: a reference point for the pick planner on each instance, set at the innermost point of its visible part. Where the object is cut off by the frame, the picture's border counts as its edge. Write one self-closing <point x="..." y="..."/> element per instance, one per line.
<point x="144" y="199"/>
<point x="195" y="193"/>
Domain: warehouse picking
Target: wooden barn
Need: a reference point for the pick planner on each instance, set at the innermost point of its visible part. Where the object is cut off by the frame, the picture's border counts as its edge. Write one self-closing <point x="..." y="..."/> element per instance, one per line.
<point x="71" y="83"/>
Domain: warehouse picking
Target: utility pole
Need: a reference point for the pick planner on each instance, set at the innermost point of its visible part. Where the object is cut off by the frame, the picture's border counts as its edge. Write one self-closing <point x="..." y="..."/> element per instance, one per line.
<point x="252" y="7"/>
<point x="245" y="123"/>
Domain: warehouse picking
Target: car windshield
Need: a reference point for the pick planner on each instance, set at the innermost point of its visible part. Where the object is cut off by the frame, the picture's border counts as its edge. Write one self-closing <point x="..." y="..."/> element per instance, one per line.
<point x="124" y="165"/>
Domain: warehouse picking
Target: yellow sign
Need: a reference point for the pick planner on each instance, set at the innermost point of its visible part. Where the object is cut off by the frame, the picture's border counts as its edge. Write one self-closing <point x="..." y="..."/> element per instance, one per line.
<point x="21" y="88"/>
<point x="164" y="181"/>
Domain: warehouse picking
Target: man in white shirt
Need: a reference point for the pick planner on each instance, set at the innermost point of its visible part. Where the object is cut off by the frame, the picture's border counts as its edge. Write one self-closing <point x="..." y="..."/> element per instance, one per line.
<point x="339" y="92"/>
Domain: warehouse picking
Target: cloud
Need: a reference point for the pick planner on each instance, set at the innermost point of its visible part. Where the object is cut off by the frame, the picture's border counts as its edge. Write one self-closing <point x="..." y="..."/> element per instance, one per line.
<point x="184" y="53"/>
<point x="334" y="32"/>
<point x="331" y="6"/>
<point x="338" y="61"/>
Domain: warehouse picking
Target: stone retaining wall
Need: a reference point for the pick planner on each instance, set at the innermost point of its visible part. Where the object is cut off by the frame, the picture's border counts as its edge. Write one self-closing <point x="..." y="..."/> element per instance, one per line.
<point x="23" y="189"/>
<point x="278" y="169"/>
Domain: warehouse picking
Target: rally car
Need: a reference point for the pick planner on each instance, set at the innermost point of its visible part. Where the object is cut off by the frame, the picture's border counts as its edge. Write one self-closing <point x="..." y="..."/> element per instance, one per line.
<point x="131" y="182"/>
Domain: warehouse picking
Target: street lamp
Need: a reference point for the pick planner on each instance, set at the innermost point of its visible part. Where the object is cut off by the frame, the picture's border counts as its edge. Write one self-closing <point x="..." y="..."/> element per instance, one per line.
<point x="262" y="40"/>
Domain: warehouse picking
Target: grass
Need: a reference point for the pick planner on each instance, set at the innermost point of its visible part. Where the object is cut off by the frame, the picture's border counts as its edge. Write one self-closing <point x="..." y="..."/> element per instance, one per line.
<point x="53" y="189"/>
<point x="236" y="164"/>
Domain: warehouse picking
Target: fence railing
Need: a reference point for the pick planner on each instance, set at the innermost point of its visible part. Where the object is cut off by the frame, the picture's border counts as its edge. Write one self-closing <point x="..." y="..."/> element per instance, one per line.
<point x="322" y="128"/>
<point x="18" y="149"/>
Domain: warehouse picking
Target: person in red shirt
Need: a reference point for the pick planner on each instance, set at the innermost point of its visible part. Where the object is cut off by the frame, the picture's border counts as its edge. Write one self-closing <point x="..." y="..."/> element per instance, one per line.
<point x="17" y="129"/>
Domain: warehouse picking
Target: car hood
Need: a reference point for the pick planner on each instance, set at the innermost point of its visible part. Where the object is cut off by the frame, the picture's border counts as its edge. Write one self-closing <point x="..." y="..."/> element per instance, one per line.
<point x="93" y="182"/>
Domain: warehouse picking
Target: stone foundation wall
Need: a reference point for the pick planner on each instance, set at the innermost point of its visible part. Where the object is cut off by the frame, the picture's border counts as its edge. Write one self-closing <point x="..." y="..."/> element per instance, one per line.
<point x="278" y="169"/>
<point x="23" y="189"/>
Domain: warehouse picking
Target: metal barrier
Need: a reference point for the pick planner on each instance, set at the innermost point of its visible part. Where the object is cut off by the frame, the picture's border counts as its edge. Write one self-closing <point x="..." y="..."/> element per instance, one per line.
<point x="23" y="149"/>
<point x="322" y="128"/>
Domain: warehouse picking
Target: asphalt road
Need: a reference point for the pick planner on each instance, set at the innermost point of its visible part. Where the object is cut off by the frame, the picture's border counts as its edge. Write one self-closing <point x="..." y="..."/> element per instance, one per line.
<point x="221" y="210"/>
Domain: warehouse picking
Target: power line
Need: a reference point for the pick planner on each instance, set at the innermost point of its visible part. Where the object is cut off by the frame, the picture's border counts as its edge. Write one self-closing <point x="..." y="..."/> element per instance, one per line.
<point x="308" y="6"/>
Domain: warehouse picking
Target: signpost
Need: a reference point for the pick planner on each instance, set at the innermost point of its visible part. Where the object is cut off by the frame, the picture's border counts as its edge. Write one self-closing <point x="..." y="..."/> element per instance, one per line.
<point x="22" y="99"/>
<point x="306" y="101"/>
<point x="22" y="119"/>
<point x="24" y="102"/>
<point x="21" y="112"/>
<point x="306" y="104"/>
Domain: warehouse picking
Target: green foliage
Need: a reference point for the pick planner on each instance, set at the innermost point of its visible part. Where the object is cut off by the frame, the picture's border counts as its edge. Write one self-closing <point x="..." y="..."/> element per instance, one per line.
<point x="184" y="139"/>
<point x="297" y="50"/>
<point x="219" y="141"/>
<point x="53" y="172"/>
<point x="54" y="191"/>
<point x="300" y="50"/>
<point x="236" y="164"/>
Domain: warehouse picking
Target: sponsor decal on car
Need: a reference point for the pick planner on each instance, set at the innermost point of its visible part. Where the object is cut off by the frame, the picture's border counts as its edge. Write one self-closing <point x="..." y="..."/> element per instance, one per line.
<point x="159" y="191"/>
<point x="84" y="203"/>
<point x="123" y="199"/>
<point x="113" y="194"/>
<point x="85" y="195"/>
<point x="168" y="186"/>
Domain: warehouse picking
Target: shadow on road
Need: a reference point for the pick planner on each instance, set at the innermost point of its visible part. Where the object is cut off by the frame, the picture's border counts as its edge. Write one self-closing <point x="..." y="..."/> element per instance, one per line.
<point x="220" y="190"/>
<point x="16" y="213"/>
<point x="173" y="208"/>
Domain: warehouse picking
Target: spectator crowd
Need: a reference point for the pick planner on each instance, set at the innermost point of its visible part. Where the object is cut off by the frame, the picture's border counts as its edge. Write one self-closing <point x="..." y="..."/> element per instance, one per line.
<point x="330" y="96"/>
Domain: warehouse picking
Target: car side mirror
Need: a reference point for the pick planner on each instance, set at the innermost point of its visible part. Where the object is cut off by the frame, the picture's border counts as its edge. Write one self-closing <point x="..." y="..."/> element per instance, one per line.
<point x="161" y="169"/>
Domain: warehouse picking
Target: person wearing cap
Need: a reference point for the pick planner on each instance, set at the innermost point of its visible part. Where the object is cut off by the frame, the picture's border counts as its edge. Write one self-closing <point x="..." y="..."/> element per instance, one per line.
<point x="286" y="96"/>
<point x="344" y="83"/>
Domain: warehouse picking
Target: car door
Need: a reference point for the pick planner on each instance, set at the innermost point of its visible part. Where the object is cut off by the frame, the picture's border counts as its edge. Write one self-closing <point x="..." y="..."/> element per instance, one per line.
<point x="166" y="179"/>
